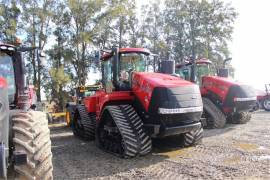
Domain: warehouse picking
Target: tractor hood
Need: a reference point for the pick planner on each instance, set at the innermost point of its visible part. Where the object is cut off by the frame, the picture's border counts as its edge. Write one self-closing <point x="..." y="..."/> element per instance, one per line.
<point x="225" y="81"/>
<point x="229" y="92"/>
<point x="161" y="80"/>
<point x="158" y="92"/>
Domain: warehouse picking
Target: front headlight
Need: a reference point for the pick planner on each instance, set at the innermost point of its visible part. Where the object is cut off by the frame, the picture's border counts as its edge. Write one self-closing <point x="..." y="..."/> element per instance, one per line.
<point x="180" y="110"/>
<point x="236" y="99"/>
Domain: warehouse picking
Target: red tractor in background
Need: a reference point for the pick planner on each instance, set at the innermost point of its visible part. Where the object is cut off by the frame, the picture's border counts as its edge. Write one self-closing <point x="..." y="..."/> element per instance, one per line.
<point x="224" y="99"/>
<point x="264" y="99"/>
<point x="135" y="104"/>
<point x="25" y="145"/>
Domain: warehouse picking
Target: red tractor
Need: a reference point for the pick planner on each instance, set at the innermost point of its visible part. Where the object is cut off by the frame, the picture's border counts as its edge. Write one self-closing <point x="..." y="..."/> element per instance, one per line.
<point x="224" y="99"/>
<point x="25" y="144"/>
<point x="135" y="104"/>
<point x="264" y="99"/>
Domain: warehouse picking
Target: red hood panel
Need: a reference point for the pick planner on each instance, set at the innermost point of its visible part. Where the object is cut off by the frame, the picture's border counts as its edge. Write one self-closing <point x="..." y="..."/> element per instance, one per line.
<point x="162" y="80"/>
<point x="224" y="81"/>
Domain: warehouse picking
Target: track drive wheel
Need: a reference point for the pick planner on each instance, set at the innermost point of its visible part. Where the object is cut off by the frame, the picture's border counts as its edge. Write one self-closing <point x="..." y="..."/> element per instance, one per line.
<point x="266" y="104"/>
<point x="214" y="116"/>
<point x="83" y="124"/>
<point x="240" y="117"/>
<point x="32" y="136"/>
<point x="121" y="132"/>
<point x="193" y="137"/>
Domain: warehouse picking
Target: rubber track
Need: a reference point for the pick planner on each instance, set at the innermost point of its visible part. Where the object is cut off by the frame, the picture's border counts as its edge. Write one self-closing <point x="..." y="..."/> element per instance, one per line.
<point x="130" y="125"/>
<point x="88" y="122"/>
<point x="32" y="135"/>
<point x="193" y="137"/>
<point x="218" y="119"/>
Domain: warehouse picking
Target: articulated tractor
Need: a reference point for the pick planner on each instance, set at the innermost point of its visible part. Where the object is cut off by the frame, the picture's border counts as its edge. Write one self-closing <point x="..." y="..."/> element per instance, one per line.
<point x="224" y="100"/>
<point x="136" y="104"/>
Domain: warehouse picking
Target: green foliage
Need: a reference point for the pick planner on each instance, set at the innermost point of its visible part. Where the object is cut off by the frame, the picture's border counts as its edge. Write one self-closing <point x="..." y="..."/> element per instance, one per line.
<point x="34" y="23"/>
<point x="199" y="28"/>
<point x="9" y="14"/>
<point x="59" y="78"/>
<point x="70" y="30"/>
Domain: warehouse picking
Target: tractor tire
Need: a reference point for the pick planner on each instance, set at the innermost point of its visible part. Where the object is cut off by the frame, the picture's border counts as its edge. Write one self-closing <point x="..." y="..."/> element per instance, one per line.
<point x="214" y="116"/>
<point x="193" y="137"/>
<point x="31" y="135"/>
<point x="266" y="104"/>
<point x="83" y="124"/>
<point x="121" y="132"/>
<point x="240" y="118"/>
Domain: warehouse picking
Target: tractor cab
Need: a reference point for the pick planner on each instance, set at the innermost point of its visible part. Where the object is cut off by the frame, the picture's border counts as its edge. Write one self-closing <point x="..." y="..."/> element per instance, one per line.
<point x="204" y="67"/>
<point x="117" y="70"/>
<point x="12" y="68"/>
<point x="18" y="122"/>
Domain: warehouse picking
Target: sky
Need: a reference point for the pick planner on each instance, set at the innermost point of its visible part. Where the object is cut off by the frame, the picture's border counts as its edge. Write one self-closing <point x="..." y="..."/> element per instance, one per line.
<point x="250" y="45"/>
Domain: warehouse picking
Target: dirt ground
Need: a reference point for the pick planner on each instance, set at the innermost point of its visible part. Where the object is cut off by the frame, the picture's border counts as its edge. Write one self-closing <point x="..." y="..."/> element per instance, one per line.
<point x="236" y="152"/>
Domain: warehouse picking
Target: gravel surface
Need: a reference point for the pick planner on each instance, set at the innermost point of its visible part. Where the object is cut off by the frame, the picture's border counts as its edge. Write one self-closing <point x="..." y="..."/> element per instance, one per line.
<point x="236" y="152"/>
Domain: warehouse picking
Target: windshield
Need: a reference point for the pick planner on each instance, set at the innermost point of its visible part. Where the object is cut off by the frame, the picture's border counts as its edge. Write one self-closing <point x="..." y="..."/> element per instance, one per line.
<point x="137" y="62"/>
<point x="202" y="70"/>
<point x="134" y="61"/>
<point x="7" y="72"/>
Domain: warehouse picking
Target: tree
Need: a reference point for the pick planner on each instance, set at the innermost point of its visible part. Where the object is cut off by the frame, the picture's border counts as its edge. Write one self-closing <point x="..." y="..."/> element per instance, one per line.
<point x="121" y="13"/>
<point x="35" y="23"/>
<point x="85" y="18"/>
<point x="9" y="14"/>
<point x="199" y="28"/>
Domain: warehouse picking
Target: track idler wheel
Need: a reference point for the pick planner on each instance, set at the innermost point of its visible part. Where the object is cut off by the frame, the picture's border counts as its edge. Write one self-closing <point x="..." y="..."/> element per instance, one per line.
<point x="84" y="124"/>
<point x="121" y="132"/>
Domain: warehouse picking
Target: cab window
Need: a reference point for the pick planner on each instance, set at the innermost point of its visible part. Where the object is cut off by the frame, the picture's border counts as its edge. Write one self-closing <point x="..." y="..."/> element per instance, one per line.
<point x="7" y="72"/>
<point x="107" y="73"/>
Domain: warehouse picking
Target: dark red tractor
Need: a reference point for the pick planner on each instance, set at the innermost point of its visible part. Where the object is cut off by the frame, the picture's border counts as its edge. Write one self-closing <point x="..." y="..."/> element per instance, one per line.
<point x="224" y="99"/>
<point x="25" y="144"/>
<point x="264" y="99"/>
<point x="135" y="105"/>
